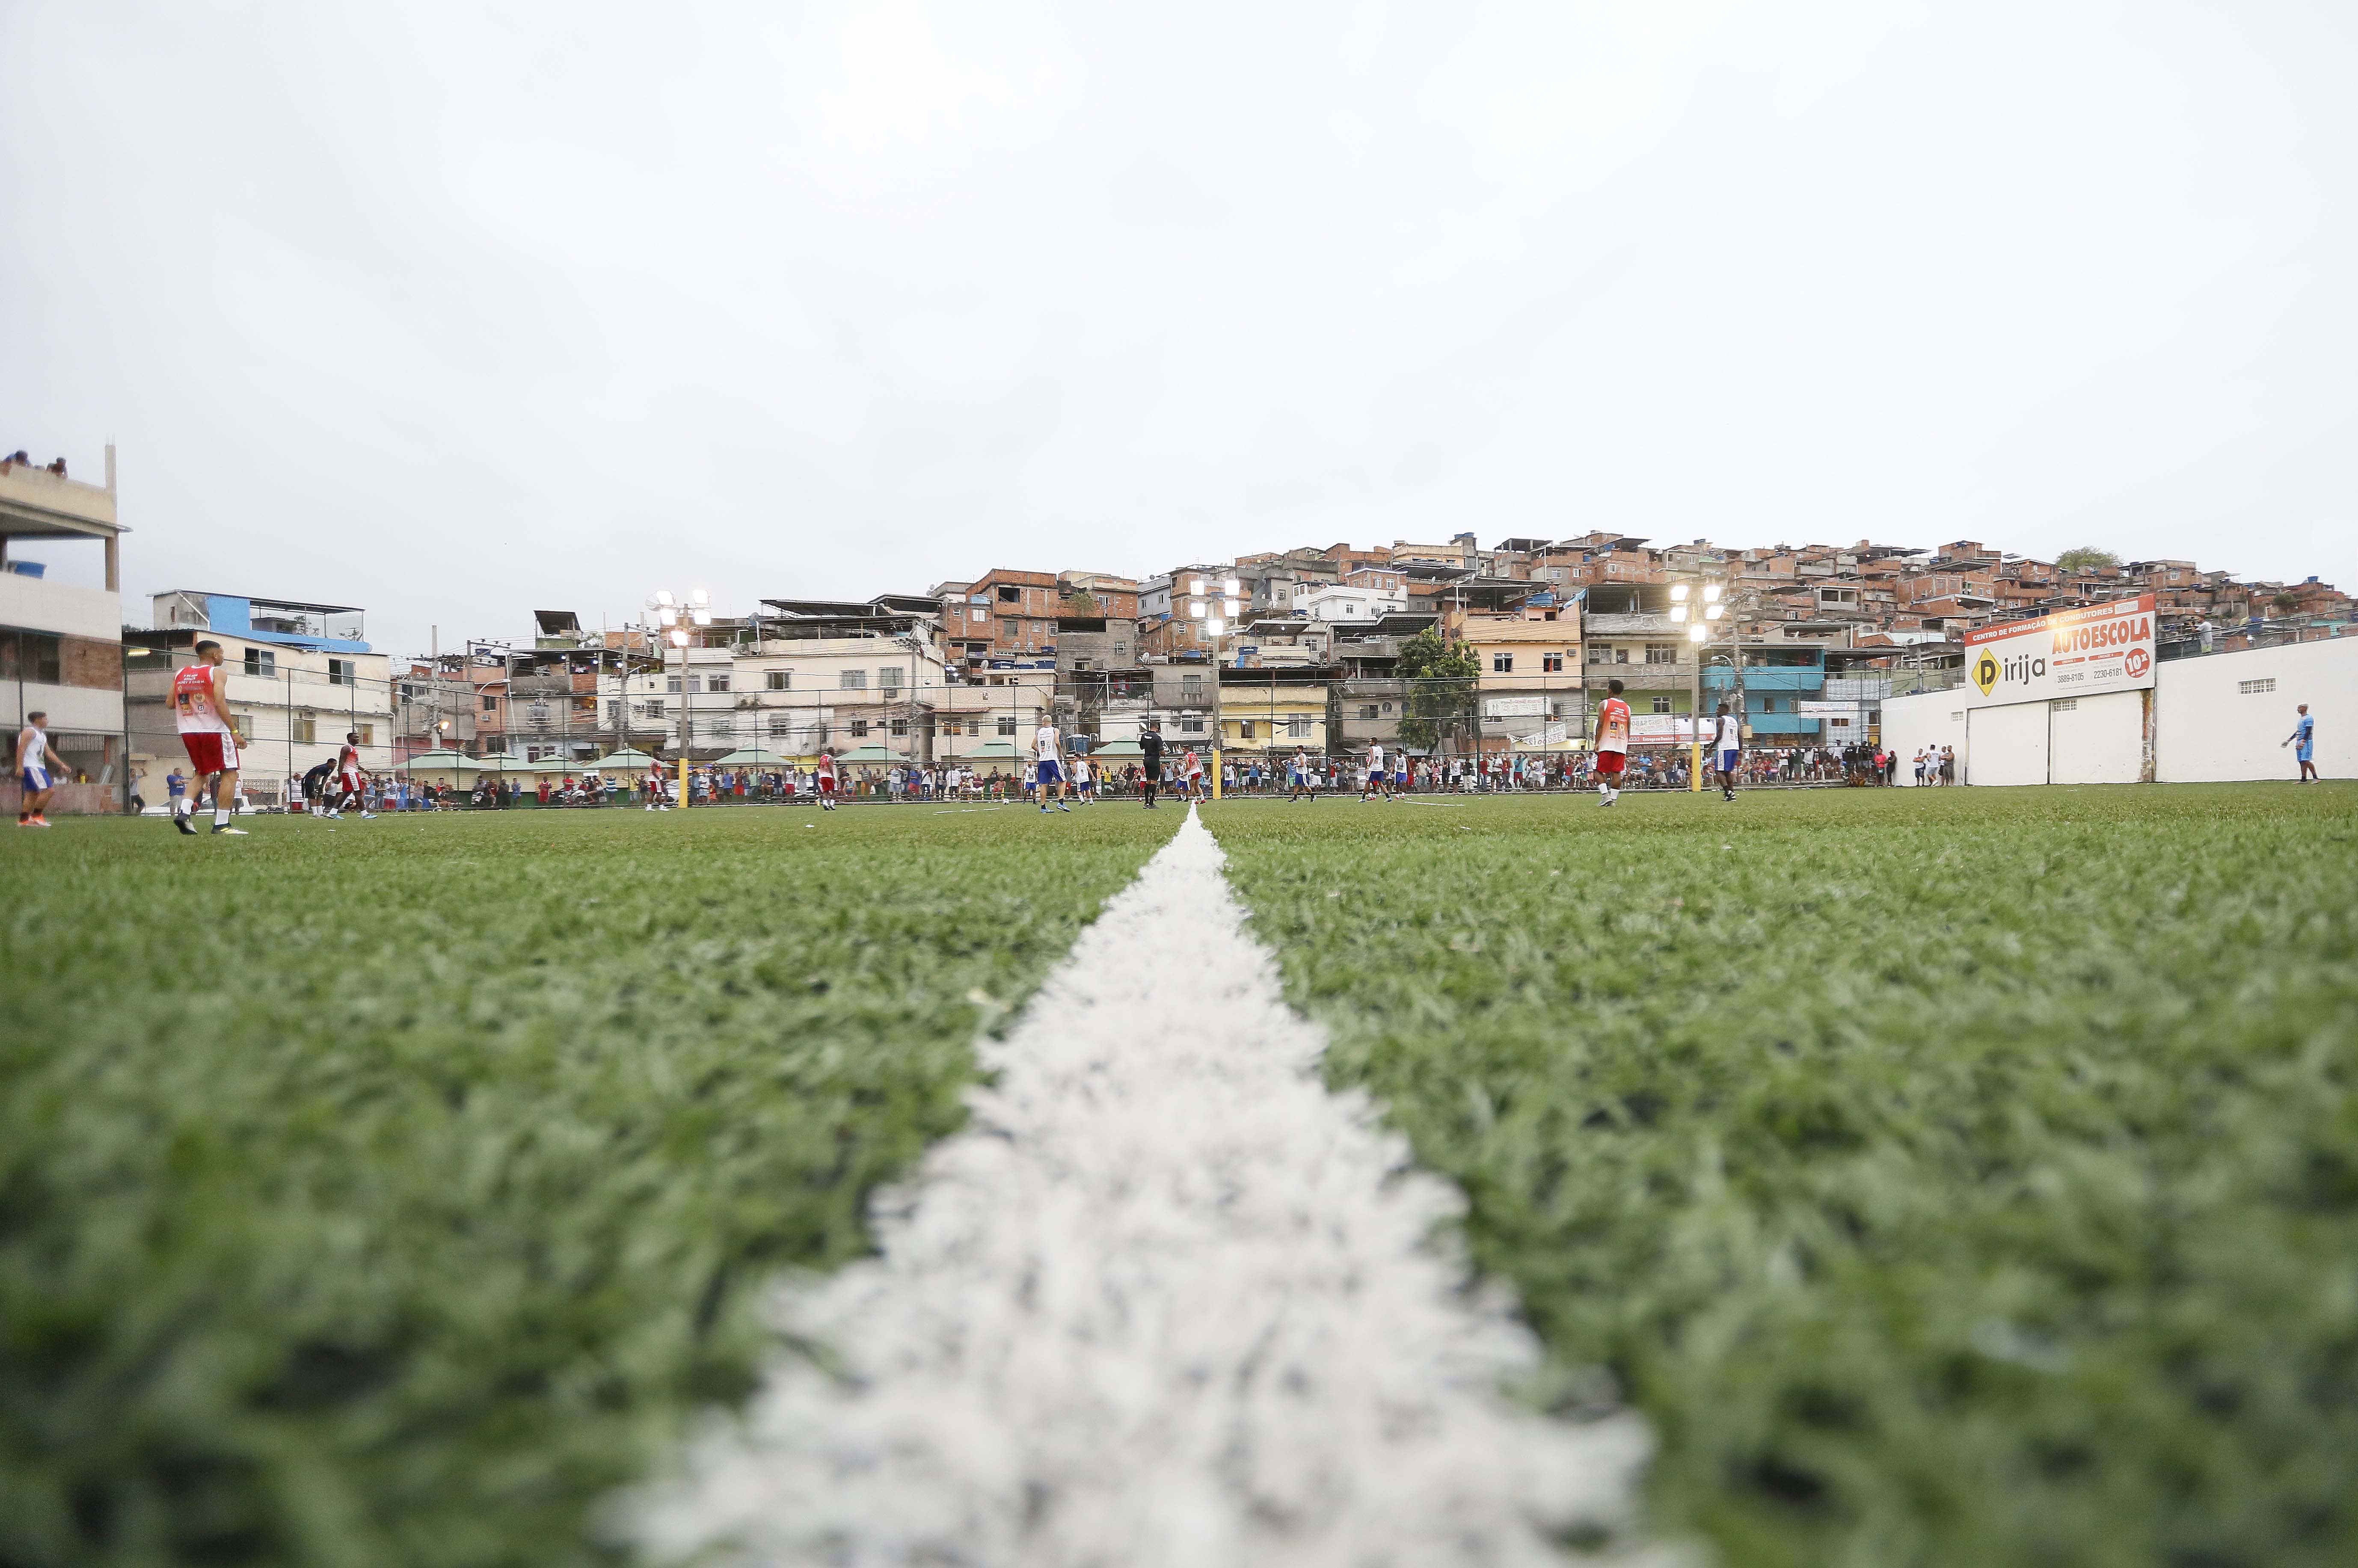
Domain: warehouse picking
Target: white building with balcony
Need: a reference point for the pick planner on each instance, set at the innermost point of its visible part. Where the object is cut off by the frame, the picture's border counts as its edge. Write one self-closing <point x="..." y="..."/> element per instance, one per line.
<point x="62" y="641"/>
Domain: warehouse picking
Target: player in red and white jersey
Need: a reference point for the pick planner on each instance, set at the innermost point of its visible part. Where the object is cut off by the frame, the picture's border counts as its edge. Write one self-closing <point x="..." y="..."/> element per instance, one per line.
<point x="1192" y="770"/>
<point x="351" y="778"/>
<point x="208" y="731"/>
<point x="1612" y="743"/>
<point x="827" y="781"/>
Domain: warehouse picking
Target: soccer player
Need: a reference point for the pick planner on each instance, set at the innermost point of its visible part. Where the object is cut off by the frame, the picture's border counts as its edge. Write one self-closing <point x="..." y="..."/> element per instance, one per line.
<point x="2303" y="736"/>
<point x="1084" y="780"/>
<point x="1400" y="774"/>
<point x="1301" y="784"/>
<point x="351" y="783"/>
<point x="315" y="787"/>
<point x="1050" y="763"/>
<point x="1727" y="739"/>
<point x="826" y="782"/>
<point x="1612" y="743"/>
<point x="1376" y="778"/>
<point x="209" y="732"/>
<point x="1149" y="772"/>
<point x="34" y="755"/>
<point x="1191" y="774"/>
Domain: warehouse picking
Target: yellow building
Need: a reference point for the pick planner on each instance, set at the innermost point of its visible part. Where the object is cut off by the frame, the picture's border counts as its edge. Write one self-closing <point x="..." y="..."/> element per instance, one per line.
<point x="1272" y="710"/>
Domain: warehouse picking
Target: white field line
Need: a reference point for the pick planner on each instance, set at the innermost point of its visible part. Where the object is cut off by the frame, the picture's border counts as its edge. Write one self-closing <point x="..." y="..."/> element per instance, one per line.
<point x="1164" y="1301"/>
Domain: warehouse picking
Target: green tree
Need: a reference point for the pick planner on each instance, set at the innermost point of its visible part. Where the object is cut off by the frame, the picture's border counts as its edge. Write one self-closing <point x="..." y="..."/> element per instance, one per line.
<point x="2087" y="557"/>
<point x="1441" y="676"/>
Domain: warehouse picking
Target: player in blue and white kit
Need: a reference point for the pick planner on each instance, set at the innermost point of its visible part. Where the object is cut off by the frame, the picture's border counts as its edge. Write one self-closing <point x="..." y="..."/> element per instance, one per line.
<point x="1728" y="745"/>
<point x="1050" y="766"/>
<point x="34" y="777"/>
<point x="2303" y="740"/>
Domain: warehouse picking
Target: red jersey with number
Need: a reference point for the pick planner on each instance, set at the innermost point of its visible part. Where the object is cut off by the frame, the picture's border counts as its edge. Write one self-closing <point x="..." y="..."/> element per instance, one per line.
<point x="1613" y="725"/>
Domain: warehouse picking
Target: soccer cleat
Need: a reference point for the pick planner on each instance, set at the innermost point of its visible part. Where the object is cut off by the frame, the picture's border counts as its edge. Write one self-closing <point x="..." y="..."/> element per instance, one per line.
<point x="1062" y="807"/>
<point x="185" y="822"/>
<point x="368" y="816"/>
<point x="225" y="828"/>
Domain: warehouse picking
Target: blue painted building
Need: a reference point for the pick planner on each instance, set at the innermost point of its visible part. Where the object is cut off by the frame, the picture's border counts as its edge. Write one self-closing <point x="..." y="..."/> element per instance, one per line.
<point x="1776" y="680"/>
<point x="319" y="628"/>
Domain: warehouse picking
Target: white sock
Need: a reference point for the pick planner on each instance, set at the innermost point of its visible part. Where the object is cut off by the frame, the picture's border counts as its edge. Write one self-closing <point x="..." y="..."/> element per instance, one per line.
<point x="220" y="817"/>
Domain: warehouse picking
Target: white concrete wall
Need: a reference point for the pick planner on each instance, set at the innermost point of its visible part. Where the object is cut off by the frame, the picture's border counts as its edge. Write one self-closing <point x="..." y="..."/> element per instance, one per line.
<point x="2097" y="739"/>
<point x="2009" y="744"/>
<point x="2207" y="729"/>
<point x="38" y="604"/>
<point x="1932" y="719"/>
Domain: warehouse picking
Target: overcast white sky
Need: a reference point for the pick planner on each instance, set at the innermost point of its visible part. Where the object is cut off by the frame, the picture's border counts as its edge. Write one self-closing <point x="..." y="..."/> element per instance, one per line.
<point x="459" y="311"/>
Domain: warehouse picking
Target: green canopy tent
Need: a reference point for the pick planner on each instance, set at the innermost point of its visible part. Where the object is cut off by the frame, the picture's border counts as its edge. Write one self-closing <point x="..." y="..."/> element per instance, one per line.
<point x="867" y="754"/>
<point x="1121" y="750"/>
<point x="992" y="751"/>
<point x="623" y="761"/>
<point x="753" y="757"/>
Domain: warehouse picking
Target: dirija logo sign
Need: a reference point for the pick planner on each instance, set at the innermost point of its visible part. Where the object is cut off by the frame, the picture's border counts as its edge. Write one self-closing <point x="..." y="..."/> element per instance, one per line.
<point x="1989" y="669"/>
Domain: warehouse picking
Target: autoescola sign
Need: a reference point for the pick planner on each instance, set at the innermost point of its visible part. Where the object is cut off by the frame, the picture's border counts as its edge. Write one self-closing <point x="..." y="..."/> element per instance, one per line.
<point x="2103" y="647"/>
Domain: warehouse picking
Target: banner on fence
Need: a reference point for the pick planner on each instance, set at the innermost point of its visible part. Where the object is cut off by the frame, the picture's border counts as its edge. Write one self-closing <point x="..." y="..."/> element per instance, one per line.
<point x="2101" y="647"/>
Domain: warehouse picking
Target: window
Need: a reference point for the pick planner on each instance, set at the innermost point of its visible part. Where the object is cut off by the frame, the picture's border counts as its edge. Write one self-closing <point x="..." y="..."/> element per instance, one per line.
<point x="1011" y="630"/>
<point x="978" y="615"/>
<point x="1297" y="729"/>
<point x="1502" y="663"/>
<point x="1662" y="704"/>
<point x="779" y="680"/>
<point x="30" y="656"/>
<point x="1007" y="724"/>
<point x="1191" y="727"/>
<point x="491" y="704"/>
<point x="671" y="685"/>
<point x="2254" y="688"/>
<point x="654" y="709"/>
<point x="899" y="726"/>
<point x="781" y="724"/>
<point x="1244" y="729"/>
<point x="854" y="680"/>
<point x="1552" y="664"/>
<point x="261" y="661"/>
<point x="615" y="713"/>
<point x="859" y="728"/>
<point x="340" y="672"/>
<point x="1621" y="656"/>
<point x="1008" y="595"/>
<point x="1191" y="684"/>
<point x="305" y="730"/>
<point x="1661" y="653"/>
<point x="890" y="677"/>
<point x="1387" y="708"/>
<point x="1367" y="710"/>
<point x="2067" y="705"/>
<point x="367" y="732"/>
<point x="715" y="683"/>
<point x="973" y="727"/>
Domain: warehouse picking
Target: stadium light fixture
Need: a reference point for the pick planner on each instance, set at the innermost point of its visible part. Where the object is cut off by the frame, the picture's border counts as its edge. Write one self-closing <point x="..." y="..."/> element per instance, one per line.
<point x="1195" y="609"/>
<point x="1697" y="633"/>
<point x="1678" y="612"/>
<point x="679" y="637"/>
<point x="1234" y="588"/>
<point x="663" y="597"/>
<point x="668" y="615"/>
<point x="1228" y="607"/>
<point x="1714" y="611"/>
<point x="1214" y="626"/>
<point x="1678" y="593"/>
<point x="1711" y="591"/>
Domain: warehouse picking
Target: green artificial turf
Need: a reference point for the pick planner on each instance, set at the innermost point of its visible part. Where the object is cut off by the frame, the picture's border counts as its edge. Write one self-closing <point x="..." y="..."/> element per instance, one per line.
<point x="1952" y="1176"/>
<point x="388" y="1192"/>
